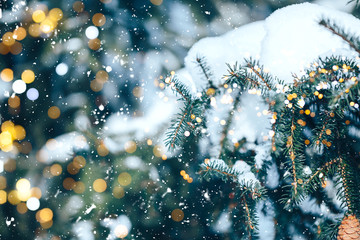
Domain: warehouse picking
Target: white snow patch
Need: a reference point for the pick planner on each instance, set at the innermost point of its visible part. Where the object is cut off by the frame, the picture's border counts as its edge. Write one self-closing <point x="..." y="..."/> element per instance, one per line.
<point x="134" y="162"/>
<point x="266" y="221"/>
<point x="262" y="154"/>
<point x="111" y="223"/>
<point x="83" y="230"/>
<point x="62" y="147"/>
<point x="245" y="175"/>
<point x="342" y="5"/>
<point x="309" y="205"/>
<point x="223" y="224"/>
<point x="294" y="39"/>
<point x="121" y="128"/>
<point x="74" y="204"/>
<point x="231" y="47"/>
<point x="272" y="178"/>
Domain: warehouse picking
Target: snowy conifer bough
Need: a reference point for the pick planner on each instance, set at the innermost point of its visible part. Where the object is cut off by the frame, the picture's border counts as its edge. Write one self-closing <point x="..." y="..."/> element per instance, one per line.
<point x="290" y="109"/>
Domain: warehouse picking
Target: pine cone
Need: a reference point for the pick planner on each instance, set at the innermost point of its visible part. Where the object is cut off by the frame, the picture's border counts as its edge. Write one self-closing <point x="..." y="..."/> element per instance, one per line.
<point x="349" y="228"/>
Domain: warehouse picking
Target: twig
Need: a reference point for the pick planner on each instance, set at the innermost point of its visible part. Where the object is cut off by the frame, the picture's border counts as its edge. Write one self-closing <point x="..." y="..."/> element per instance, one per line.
<point x="352" y="45"/>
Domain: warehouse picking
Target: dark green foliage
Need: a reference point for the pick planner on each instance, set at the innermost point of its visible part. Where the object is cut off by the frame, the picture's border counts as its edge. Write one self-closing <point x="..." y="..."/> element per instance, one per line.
<point x="251" y="75"/>
<point x="186" y="120"/>
<point x="316" y="125"/>
<point x="329" y="229"/>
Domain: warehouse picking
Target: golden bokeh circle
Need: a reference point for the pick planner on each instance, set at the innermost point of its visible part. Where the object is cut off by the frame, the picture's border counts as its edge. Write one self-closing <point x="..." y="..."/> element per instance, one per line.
<point x="14" y="101"/>
<point x="124" y="179"/>
<point x="28" y="76"/>
<point x="99" y="185"/>
<point x="54" y="112"/>
<point x="99" y="19"/>
<point x="19" y="33"/>
<point x="7" y="75"/>
<point x="38" y="16"/>
<point x="177" y="215"/>
<point x="78" y="6"/>
<point x="8" y="39"/>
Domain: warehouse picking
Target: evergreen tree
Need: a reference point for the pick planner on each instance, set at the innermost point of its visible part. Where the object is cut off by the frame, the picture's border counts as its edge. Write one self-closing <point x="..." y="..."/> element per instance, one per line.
<point x="80" y="160"/>
<point x="314" y="145"/>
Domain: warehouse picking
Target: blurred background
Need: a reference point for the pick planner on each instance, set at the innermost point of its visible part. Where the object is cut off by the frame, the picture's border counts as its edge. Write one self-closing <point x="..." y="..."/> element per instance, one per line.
<point x="83" y="115"/>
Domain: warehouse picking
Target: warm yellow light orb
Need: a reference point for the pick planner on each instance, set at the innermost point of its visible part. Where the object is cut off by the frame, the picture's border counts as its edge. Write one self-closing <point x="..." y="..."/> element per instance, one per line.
<point x="54" y="112"/>
<point x="5" y="138"/>
<point x="124" y="179"/>
<point x="20" y="133"/>
<point x="99" y="185"/>
<point x="28" y="76"/>
<point x="102" y="150"/>
<point x="19" y="33"/>
<point x="79" y="161"/>
<point x="3" y="196"/>
<point x="13" y="197"/>
<point x="118" y="192"/>
<point x="156" y="2"/>
<point x="47" y="25"/>
<point x="23" y="184"/>
<point x="46" y="215"/>
<point x="177" y="215"/>
<point x="99" y="19"/>
<point x="7" y="75"/>
<point x="102" y="76"/>
<point x="130" y="147"/>
<point x="79" y="187"/>
<point x="56" y="14"/>
<point x="38" y="16"/>
<point x="56" y="169"/>
<point x="34" y="30"/>
<point x="8" y="39"/>
<point x="14" y="101"/>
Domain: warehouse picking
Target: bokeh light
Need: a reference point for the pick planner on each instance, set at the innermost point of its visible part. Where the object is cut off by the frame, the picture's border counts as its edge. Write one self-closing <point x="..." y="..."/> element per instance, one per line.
<point x="3" y="196"/>
<point x="118" y="192"/>
<point x="78" y="6"/>
<point x="22" y="208"/>
<point x="7" y="75"/>
<point x="56" y="169"/>
<point x="94" y="44"/>
<point x="19" y="33"/>
<point x="177" y="215"/>
<point x="16" y="48"/>
<point x="8" y="39"/>
<point x="14" y="101"/>
<point x="124" y="179"/>
<point x="33" y="204"/>
<point x="99" y="19"/>
<point x="54" y="112"/>
<point x="121" y="231"/>
<point x="92" y="32"/>
<point x="99" y="185"/>
<point x="38" y="16"/>
<point x="19" y="86"/>
<point x="28" y="76"/>
<point x="61" y="69"/>
<point x="56" y="14"/>
<point x="130" y="147"/>
<point x="13" y="197"/>
<point x="32" y="94"/>
<point x="45" y="215"/>
<point x="69" y="183"/>
<point x="34" y="30"/>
